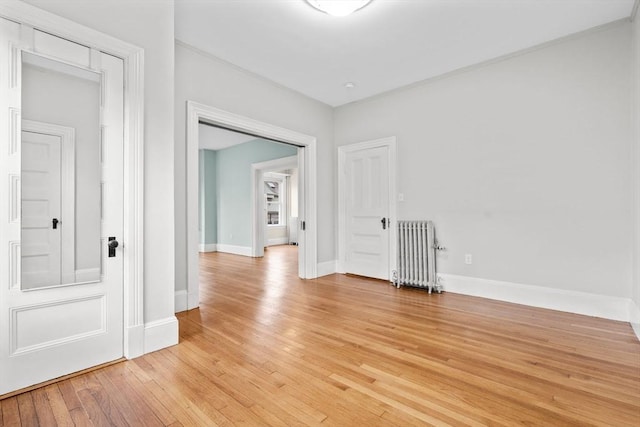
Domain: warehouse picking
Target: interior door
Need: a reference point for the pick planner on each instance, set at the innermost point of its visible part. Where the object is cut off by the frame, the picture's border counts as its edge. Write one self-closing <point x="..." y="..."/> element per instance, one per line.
<point x="55" y="327"/>
<point x="367" y="218"/>
<point x="41" y="200"/>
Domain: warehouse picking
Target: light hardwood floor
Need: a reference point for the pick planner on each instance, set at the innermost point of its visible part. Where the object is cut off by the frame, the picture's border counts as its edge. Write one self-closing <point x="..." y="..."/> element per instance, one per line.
<point x="266" y="348"/>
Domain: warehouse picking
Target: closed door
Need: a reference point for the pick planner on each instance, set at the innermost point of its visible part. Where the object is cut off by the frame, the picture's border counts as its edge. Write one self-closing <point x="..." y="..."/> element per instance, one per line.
<point x="367" y="218"/>
<point x="62" y="310"/>
<point x="41" y="198"/>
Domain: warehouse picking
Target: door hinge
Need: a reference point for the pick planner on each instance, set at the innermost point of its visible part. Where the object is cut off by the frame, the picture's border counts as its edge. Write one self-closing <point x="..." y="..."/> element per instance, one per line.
<point x="303" y="225"/>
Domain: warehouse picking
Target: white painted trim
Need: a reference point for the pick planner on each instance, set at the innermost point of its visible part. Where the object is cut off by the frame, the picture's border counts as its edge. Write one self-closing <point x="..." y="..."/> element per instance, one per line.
<point x="257" y="200"/>
<point x="634" y="10"/>
<point x="614" y="308"/>
<point x="279" y="241"/>
<point x="391" y="143"/>
<point x="160" y="334"/>
<point x="327" y="268"/>
<point x="207" y="247"/>
<point x="233" y="249"/>
<point x="136" y="339"/>
<point x="87" y="275"/>
<point x="133" y="239"/>
<point x="197" y="112"/>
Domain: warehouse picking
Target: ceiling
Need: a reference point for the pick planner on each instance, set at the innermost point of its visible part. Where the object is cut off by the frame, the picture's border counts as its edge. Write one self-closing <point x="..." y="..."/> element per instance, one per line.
<point x="386" y="45"/>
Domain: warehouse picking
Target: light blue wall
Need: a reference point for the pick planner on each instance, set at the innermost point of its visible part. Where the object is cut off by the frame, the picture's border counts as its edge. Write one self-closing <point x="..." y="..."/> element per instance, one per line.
<point x="208" y="197"/>
<point x="234" y="186"/>
<point x="226" y="178"/>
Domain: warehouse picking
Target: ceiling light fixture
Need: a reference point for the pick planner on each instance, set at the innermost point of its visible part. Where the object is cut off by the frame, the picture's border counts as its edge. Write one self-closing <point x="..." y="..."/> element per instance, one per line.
<point x="338" y="7"/>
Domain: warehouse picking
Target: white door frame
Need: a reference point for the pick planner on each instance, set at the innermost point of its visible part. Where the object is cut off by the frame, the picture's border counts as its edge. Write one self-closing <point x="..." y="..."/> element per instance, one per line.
<point x="257" y="199"/>
<point x="196" y="113"/>
<point x="391" y="143"/>
<point x="132" y="240"/>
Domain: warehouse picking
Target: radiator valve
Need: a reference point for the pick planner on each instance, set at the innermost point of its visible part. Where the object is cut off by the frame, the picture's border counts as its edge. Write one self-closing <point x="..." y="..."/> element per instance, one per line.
<point x="437" y="247"/>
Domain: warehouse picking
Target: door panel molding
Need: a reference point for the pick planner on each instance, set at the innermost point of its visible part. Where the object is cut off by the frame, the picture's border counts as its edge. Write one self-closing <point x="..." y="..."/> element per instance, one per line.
<point x="343" y="151"/>
<point x="65" y="329"/>
<point x="133" y="57"/>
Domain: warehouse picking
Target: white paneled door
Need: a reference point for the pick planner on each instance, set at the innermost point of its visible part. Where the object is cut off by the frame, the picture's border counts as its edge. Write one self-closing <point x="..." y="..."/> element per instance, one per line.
<point x="41" y="199"/>
<point x="366" y="199"/>
<point x="61" y="290"/>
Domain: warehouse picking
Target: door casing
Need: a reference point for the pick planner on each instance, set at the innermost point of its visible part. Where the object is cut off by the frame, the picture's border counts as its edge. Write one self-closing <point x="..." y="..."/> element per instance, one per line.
<point x="258" y="230"/>
<point x="132" y="239"/>
<point x="197" y="112"/>
<point x="391" y="144"/>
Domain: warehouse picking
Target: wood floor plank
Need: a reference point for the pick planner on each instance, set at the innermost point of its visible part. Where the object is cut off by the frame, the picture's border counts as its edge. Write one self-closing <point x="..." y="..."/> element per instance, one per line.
<point x="10" y="412"/>
<point x="43" y="408"/>
<point x="136" y="403"/>
<point x="28" y="416"/>
<point x="92" y="408"/>
<point x="59" y="408"/>
<point x="268" y="349"/>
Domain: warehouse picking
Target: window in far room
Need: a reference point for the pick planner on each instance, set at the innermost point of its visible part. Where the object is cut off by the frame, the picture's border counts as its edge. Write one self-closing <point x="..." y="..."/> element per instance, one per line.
<point x="275" y="195"/>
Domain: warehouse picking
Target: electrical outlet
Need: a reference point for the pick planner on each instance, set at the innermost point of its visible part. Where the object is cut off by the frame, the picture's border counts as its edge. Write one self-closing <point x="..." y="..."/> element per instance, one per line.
<point x="468" y="259"/>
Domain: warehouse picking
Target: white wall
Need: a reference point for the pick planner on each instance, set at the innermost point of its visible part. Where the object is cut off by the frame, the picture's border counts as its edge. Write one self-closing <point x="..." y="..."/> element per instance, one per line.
<point x="524" y="163"/>
<point x="148" y="24"/>
<point x="210" y="81"/>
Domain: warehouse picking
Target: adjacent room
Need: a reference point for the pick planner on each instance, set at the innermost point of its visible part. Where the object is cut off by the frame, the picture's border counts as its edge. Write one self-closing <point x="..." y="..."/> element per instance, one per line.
<point x="320" y="212"/>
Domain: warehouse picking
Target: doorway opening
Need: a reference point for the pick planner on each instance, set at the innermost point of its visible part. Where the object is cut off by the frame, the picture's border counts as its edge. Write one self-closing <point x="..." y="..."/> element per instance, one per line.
<point x="200" y="116"/>
<point x="248" y="192"/>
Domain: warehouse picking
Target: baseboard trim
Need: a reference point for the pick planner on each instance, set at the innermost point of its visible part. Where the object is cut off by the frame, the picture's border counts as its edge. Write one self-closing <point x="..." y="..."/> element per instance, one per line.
<point x="236" y="250"/>
<point x="278" y="241"/>
<point x="160" y="334"/>
<point x="208" y="247"/>
<point x="327" y="268"/>
<point x="614" y="308"/>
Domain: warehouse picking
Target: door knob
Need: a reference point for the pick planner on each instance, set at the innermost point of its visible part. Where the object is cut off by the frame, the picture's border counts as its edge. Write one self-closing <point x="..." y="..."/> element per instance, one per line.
<point x="54" y="223"/>
<point x="384" y="223"/>
<point x="113" y="244"/>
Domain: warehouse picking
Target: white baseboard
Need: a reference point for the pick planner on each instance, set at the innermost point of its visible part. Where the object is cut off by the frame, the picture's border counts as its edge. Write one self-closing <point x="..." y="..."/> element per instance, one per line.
<point x="278" y="241"/>
<point x="614" y="308"/>
<point x="326" y="268"/>
<point x="208" y="247"/>
<point x="236" y="250"/>
<point x="160" y="334"/>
